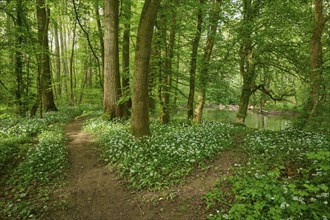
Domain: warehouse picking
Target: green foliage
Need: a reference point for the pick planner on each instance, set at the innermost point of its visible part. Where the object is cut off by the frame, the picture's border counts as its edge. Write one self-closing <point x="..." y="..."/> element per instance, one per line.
<point x="33" y="159"/>
<point x="44" y="161"/>
<point x="286" y="178"/>
<point x="43" y="164"/>
<point x="221" y="92"/>
<point x="320" y="119"/>
<point x="166" y="157"/>
<point x="18" y="134"/>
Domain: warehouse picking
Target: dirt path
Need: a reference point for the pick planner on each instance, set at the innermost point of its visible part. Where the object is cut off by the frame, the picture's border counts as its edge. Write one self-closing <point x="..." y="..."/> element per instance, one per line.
<point x="94" y="193"/>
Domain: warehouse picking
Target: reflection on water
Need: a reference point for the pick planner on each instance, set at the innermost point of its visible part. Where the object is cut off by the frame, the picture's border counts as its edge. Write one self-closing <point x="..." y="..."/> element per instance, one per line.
<point x="253" y="120"/>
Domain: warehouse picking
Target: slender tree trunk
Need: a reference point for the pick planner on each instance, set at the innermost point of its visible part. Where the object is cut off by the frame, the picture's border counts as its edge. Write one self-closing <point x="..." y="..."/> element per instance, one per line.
<point x="63" y="44"/>
<point x="177" y="66"/>
<point x="100" y="32"/>
<point x="71" y="69"/>
<point x="89" y="80"/>
<point x="28" y="80"/>
<point x="85" y="79"/>
<point x="193" y="61"/>
<point x="203" y="75"/>
<point x="140" y="107"/>
<point x="167" y="77"/>
<point x="155" y="71"/>
<point x="126" y="57"/>
<point x="163" y="71"/>
<point x="43" y="14"/>
<point x="19" y="57"/>
<point x="58" y="60"/>
<point x="247" y="63"/>
<point x="112" y="89"/>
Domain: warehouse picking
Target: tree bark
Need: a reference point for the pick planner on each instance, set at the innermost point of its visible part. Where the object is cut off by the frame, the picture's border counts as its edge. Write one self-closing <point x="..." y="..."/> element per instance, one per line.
<point x="112" y="89"/>
<point x="100" y="32"/>
<point x="126" y="57"/>
<point x="168" y="56"/>
<point x="63" y="45"/>
<point x="71" y="69"/>
<point x="177" y="66"/>
<point x="89" y="76"/>
<point x="43" y="14"/>
<point x="193" y="61"/>
<point x="140" y="110"/>
<point x="58" y="60"/>
<point x="247" y="63"/>
<point x="203" y="75"/>
<point x="19" y="57"/>
<point x="315" y="59"/>
<point x="154" y="78"/>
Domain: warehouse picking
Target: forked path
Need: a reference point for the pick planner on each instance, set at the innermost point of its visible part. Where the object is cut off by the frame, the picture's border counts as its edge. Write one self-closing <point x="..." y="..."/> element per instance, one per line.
<point x="95" y="193"/>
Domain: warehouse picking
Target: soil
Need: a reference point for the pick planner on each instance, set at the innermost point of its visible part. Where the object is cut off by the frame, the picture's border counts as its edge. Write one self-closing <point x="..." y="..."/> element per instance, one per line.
<point x="94" y="192"/>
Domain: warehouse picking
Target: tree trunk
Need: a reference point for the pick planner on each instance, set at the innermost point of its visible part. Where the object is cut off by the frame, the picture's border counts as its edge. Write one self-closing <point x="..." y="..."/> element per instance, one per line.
<point x="315" y="59"/>
<point x="169" y="51"/>
<point x="168" y="47"/>
<point x="140" y="111"/>
<point x="155" y="71"/>
<point x="43" y="14"/>
<point x="175" y="99"/>
<point x="89" y="77"/>
<point x="58" y="60"/>
<point x="193" y="61"/>
<point x="63" y="44"/>
<point x="71" y="69"/>
<point x="247" y="64"/>
<point x="19" y="57"/>
<point x="100" y="32"/>
<point x="203" y="75"/>
<point x="112" y="89"/>
<point x="125" y="58"/>
<point x="248" y="82"/>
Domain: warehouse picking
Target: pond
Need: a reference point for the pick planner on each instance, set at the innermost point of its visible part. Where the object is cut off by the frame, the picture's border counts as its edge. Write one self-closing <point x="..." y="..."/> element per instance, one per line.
<point x="253" y="120"/>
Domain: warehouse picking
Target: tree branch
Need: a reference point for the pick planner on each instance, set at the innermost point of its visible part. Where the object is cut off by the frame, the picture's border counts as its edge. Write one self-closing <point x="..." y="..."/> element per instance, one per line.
<point x="88" y="40"/>
<point x="9" y="14"/>
<point x="271" y="94"/>
<point x="4" y="86"/>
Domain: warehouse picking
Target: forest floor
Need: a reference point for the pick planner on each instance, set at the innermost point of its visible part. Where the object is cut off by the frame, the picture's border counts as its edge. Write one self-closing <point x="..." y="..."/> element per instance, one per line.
<point x="94" y="192"/>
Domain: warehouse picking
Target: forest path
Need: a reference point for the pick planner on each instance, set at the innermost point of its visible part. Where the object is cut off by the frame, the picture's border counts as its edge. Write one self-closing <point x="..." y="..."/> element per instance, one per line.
<point x="94" y="192"/>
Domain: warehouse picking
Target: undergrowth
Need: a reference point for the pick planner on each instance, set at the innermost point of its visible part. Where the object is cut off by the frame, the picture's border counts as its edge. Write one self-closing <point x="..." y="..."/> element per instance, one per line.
<point x="32" y="161"/>
<point x="287" y="177"/>
<point x="166" y="157"/>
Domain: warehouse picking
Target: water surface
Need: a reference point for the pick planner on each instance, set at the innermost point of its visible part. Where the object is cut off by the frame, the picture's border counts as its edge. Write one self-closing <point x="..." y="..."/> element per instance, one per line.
<point x="253" y="120"/>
